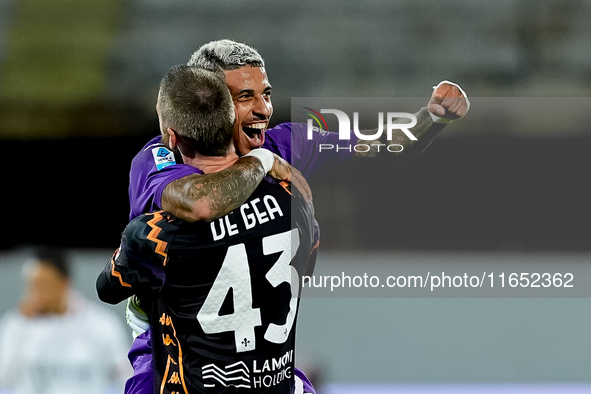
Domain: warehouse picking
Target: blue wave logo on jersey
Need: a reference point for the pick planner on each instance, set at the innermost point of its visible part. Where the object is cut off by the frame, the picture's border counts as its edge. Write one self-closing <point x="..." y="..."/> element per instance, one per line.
<point x="163" y="157"/>
<point x="162" y="152"/>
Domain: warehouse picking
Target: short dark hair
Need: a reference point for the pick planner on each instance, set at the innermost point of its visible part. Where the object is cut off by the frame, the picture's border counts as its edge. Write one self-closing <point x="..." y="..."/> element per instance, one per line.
<point x="56" y="258"/>
<point x="198" y="105"/>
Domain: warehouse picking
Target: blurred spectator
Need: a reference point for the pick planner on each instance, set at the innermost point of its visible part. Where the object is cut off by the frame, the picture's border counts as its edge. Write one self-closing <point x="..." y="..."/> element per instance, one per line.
<point x="58" y="342"/>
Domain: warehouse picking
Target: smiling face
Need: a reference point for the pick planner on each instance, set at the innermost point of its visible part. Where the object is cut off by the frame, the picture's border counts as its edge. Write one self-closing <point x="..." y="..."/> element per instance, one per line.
<point x="251" y="93"/>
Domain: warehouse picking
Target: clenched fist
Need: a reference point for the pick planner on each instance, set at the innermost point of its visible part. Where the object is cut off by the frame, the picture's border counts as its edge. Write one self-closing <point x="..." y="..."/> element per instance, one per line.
<point x="448" y="102"/>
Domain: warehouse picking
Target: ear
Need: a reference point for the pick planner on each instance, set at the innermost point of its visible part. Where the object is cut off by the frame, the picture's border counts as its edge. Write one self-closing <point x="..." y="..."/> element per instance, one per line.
<point x="173" y="139"/>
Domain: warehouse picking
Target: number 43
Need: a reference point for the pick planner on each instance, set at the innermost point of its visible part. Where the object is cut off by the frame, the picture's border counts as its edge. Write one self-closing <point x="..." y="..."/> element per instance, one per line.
<point x="235" y="274"/>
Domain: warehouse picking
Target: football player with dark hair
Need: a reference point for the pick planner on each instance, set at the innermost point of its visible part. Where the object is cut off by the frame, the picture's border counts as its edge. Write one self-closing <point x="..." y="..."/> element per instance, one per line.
<point x="222" y="296"/>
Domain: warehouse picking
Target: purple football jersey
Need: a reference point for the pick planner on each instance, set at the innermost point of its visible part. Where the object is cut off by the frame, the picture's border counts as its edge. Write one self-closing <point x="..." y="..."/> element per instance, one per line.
<point x="154" y="166"/>
<point x="152" y="169"/>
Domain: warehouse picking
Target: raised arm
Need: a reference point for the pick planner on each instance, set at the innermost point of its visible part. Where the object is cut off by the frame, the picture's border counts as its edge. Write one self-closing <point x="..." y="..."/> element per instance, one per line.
<point x="448" y="102"/>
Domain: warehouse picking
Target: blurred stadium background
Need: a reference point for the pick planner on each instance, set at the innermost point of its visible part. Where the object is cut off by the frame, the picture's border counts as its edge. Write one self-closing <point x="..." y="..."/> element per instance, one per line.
<point x="78" y="84"/>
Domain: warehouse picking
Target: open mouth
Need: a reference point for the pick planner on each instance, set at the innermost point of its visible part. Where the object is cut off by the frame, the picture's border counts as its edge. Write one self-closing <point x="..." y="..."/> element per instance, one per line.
<point x="255" y="132"/>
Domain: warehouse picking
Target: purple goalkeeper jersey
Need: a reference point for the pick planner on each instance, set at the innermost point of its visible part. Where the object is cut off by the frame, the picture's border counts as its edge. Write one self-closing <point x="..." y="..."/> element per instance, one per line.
<point x="155" y="166"/>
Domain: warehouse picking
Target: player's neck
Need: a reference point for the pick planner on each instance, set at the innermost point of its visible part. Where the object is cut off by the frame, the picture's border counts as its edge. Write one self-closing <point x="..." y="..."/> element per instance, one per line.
<point x="209" y="164"/>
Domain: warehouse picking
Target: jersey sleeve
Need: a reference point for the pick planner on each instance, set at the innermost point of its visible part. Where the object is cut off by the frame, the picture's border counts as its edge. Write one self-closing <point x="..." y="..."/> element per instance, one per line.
<point x="152" y="169"/>
<point x="137" y="267"/>
<point x="290" y="141"/>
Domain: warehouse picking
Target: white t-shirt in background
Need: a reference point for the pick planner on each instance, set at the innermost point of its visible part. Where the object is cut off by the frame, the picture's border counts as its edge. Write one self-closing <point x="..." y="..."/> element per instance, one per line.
<point x="83" y="351"/>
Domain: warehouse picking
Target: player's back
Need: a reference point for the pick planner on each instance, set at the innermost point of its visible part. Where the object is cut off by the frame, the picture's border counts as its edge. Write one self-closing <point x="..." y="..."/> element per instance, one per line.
<point x="224" y="318"/>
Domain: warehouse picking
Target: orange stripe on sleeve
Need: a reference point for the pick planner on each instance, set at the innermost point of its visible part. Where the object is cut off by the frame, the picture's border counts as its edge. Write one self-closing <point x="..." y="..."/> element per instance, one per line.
<point x="153" y="236"/>
<point x="117" y="274"/>
<point x="285" y="185"/>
